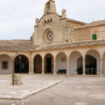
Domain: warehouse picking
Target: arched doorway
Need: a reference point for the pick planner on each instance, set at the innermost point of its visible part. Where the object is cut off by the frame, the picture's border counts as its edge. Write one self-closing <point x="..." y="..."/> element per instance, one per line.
<point x="21" y="64"/>
<point x="37" y="64"/>
<point x="49" y="64"/>
<point x="61" y="62"/>
<point x="76" y="63"/>
<point x="92" y="63"/>
<point x="5" y="64"/>
<point x="79" y="66"/>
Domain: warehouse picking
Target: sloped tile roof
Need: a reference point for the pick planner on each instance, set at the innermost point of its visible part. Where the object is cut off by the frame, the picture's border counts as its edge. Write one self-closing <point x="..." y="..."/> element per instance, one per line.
<point x="71" y="45"/>
<point x="27" y="45"/>
<point x="17" y="45"/>
<point x="92" y="24"/>
<point x="76" y="21"/>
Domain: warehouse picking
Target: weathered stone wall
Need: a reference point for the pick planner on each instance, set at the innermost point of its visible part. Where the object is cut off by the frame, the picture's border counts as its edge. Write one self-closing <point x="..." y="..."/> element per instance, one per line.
<point x="57" y="26"/>
<point x="84" y="34"/>
<point x="61" y="27"/>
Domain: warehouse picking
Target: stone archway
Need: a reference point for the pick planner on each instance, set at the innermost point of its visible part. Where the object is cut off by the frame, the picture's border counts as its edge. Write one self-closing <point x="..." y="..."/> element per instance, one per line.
<point x="48" y="64"/>
<point x="21" y="64"/>
<point x="76" y="63"/>
<point x="37" y="64"/>
<point x="91" y="65"/>
<point x="92" y="60"/>
<point x="5" y="64"/>
<point x="61" y="62"/>
<point x="80" y="66"/>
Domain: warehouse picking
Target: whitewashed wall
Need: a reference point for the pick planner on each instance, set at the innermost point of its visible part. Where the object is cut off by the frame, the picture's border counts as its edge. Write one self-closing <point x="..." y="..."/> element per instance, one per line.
<point x="61" y="64"/>
<point x="5" y="58"/>
<point x="73" y="62"/>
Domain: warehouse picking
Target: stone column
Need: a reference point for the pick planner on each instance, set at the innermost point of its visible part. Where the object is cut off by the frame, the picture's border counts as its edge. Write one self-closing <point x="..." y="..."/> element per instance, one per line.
<point x="68" y="65"/>
<point x="31" y="64"/>
<point x="13" y="71"/>
<point x="84" y="63"/>
<point x="101" y="67"/>
<point x="54" y="69"/>
<point x="43" y="71"/>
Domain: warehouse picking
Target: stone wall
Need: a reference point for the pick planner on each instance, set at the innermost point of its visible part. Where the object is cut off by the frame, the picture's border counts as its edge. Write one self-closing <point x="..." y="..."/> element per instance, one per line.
<point x="83" y="34"/>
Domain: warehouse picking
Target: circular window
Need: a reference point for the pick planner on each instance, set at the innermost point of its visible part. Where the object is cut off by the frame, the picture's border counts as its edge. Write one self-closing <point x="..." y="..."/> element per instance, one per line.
<point x="48" y="36"/>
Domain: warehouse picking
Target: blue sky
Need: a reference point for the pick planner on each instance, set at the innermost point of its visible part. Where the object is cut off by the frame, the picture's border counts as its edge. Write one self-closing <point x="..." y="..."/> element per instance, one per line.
<point x="17" y="17"/>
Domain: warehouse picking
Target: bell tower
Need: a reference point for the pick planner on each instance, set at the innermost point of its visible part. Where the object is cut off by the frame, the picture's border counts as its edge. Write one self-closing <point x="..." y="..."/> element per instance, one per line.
<point x="50" y="7"/>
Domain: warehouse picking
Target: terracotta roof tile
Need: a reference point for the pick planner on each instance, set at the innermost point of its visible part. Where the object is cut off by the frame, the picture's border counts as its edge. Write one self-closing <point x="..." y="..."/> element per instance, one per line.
<point x="28" y="45"/>
<point x="92" y="24"/>
<point x="72" y="20"/>
<point x="71" y="45"/>
<point x="17" y="45"/>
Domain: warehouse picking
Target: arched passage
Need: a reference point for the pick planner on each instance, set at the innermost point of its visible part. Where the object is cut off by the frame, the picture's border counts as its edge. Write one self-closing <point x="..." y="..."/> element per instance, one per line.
<point x="37" y="64"/>
<point x="92" y="63"/>
<point x="76" y="63"/>
<point x="49" y="63"/>
<point x="61" y="62"/>
<point x="80" y="66"/>
<point x="21" y="64"/>
<point x="5" y="64"/>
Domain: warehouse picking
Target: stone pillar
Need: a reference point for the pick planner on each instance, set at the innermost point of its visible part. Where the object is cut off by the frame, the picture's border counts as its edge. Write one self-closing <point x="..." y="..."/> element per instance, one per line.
<point x="101" y="67"/>
<point x="68" y="65"/>
<point x="43" y="71"/>
<point x="54" y="69"/>
<point x="84" y="63"/>
<point x="31" y="66"/>
<point x="13" y="71"/>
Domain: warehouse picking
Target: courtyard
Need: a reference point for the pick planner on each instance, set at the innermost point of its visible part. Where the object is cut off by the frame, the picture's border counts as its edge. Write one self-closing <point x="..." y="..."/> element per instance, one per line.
<point x="55" y="90"/>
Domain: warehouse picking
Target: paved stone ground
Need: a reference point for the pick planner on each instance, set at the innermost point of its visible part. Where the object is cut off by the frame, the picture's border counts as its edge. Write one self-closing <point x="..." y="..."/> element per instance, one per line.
<point x="31" y="85"/>
<point x="72" y="91"/>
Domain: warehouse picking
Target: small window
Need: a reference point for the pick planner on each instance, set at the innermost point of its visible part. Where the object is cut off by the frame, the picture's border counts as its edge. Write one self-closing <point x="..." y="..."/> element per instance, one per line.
<point x="4" y="64"/>
<point x="45" y="21"/>
<point x="50" y="20"/>
<point x="94" y="37"/>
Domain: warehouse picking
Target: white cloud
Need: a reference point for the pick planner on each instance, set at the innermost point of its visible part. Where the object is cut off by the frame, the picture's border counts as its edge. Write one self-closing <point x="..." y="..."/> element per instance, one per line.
<point x="17" y="16"/>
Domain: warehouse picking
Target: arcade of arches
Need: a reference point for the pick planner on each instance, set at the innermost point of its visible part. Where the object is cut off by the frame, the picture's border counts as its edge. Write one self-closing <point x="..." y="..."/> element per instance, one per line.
<point x="60" y="63"/>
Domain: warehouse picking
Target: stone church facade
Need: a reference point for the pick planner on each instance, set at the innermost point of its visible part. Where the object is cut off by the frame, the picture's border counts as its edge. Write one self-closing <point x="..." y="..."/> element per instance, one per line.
<point x="58" y="46"/>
